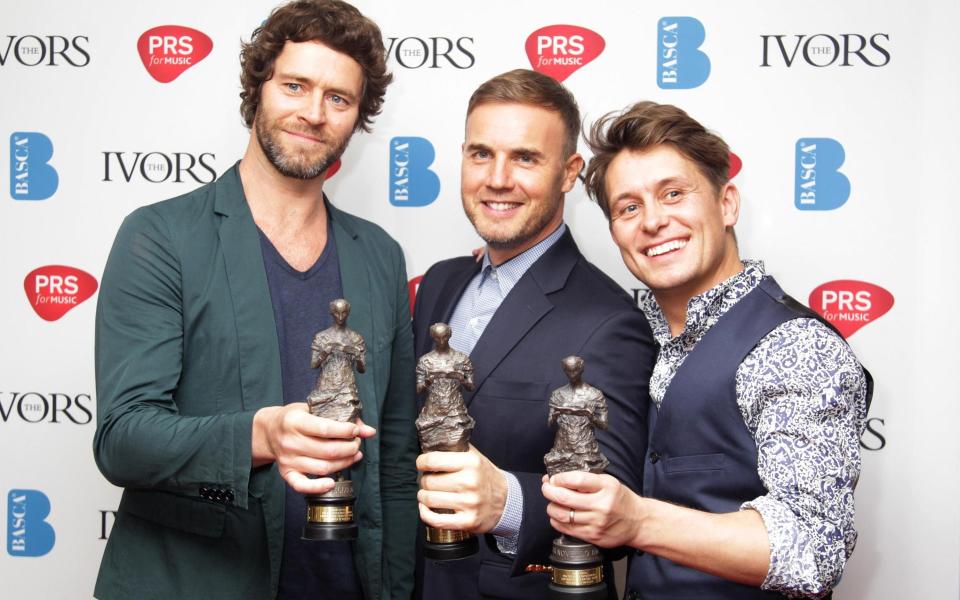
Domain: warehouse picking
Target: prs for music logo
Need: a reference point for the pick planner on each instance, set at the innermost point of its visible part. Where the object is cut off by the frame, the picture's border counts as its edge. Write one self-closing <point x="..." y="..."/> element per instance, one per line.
<point x="54" y="290"/>
<point x="849" y="304"/>
<point x="559" y="50"/>
<point x="169" y="50"/>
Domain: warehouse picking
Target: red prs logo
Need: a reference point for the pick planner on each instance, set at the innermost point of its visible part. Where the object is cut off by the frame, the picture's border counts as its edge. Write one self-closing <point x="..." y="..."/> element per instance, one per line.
<point x="559" y="50"/>
<point x="332" y="169"/>
<point x="412" y="286"/>
<point x="735" y="165"/>
<point x="169" y="50"/>
<point x="849" y="304"/>
<point x="55" y="289"/>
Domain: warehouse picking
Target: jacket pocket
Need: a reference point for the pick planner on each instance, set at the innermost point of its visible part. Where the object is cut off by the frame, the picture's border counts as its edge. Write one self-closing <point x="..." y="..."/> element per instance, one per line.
<point x="678" y="465"/>
<point x="178" y="512"/>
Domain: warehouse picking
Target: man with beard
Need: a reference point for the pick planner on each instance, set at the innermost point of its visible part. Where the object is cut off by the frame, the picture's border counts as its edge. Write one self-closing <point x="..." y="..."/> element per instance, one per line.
<point x="207" y="308"/>
<point x="532" y="300"/>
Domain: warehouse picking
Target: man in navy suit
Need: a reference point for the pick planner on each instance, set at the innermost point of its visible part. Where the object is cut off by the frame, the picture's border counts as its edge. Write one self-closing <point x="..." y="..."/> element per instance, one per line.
<point x="532" y="300"/>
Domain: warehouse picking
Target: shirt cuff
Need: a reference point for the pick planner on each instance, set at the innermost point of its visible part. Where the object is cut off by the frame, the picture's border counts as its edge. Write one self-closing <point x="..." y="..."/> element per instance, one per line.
<point x="507" y="531"/>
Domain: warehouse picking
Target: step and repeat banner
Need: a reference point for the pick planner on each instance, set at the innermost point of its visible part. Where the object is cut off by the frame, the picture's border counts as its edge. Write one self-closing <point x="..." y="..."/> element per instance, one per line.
<point x="842" y="117"/>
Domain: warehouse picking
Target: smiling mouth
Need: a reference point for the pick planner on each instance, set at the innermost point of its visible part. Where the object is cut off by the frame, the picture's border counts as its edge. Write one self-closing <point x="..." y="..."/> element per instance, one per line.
<point x="502" y="206"/>
<point x="665" y="247"/>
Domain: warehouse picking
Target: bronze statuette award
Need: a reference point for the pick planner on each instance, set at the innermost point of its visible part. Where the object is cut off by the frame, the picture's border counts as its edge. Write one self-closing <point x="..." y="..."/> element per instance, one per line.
<point x="444" y="426"/>
<point x="336" y="350"/>
<point x="576" y="408"/>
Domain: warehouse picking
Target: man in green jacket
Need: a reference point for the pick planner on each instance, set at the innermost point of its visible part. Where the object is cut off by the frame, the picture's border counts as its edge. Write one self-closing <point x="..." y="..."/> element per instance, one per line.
<point x="207" y="306"/>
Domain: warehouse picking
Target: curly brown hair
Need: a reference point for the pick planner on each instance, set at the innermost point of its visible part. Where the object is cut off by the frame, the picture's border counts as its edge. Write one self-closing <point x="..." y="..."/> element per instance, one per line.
<point x="643" y="126"/>
<point x="334" y="23"/>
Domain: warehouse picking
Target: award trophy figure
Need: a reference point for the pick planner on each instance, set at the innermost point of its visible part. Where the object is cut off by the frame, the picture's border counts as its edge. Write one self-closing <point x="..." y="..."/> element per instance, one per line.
<point x="576" y="408"/>
<point x="335" y="352"/>
<point x="444" y="426"/>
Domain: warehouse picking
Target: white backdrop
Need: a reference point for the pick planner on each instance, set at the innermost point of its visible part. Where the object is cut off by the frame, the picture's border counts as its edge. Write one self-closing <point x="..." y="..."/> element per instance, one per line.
<point x="72" y="76"/>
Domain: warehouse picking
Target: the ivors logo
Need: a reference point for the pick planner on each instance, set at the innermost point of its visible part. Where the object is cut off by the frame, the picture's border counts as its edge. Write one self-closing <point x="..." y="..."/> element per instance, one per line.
<point x="559" y="50"/>
<point x="849" y="304"/>
<point x="55" y="289"/>
<point x="169" y="50"/>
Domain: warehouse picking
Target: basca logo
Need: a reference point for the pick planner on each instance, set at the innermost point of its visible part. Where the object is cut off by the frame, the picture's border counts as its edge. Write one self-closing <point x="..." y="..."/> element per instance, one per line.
<point x="559" y="50"/>
<point x="54" y="290"/>
<point x="412" y="286"/>
<point x="849" y="304"/>
<point x="31" y="176"/>
<point x="51" y="407"/>
<point x="47" y="50"/>
<point x="824" y="50"/>
<point x="412" y="183"/>
<point x="169" y="50"/>
<point x="681" y="64"/>
<point x="818" y="184"/>
<point x="159" y="167"/>
<point x="432" y="52"/>
<point x="28" y="533"/>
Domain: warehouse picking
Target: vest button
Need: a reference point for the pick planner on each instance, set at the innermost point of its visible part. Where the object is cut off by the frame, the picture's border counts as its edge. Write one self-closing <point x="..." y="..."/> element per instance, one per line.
<point x="654" y="457"/>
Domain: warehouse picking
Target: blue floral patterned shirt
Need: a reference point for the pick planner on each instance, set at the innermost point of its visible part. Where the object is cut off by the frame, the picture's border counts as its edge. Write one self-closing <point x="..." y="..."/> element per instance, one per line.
<point x="802" y="394"/>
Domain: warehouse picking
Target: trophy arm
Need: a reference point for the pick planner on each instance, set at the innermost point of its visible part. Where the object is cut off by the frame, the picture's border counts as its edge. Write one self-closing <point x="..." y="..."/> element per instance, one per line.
<point x="362" y="362"/>
<point x="600" y="418"/>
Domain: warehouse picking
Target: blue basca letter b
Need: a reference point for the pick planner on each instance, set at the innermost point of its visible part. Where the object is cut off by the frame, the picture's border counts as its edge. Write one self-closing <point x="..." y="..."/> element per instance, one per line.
<point x="680" y="63"/>
<point x="28" y="533"/>
<point x="412" y="183"/>
<point x="31" y="177"/>
<point x="818" y="185"/>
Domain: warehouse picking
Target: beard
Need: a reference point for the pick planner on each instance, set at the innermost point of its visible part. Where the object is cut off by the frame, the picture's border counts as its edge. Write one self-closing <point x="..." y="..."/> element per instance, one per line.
<point x="298" y="164"/>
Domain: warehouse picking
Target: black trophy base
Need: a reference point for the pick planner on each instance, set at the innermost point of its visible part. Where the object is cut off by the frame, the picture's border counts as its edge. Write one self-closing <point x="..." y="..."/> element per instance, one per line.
<point x="577" y="572"/>
<point x="330" y="532"/>
<point x="587" y="592"/>
<point x="443" y="544"/>
<point x="330" y="515"/>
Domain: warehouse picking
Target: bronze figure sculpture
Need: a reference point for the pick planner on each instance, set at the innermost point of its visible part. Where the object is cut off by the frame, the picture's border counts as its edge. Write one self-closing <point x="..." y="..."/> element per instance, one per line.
<point x="444" y="425"/>
<point x="336" y="351"/>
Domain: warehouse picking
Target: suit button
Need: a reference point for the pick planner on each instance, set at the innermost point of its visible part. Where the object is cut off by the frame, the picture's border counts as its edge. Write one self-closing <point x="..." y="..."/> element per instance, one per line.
<point x="654" y="457"/>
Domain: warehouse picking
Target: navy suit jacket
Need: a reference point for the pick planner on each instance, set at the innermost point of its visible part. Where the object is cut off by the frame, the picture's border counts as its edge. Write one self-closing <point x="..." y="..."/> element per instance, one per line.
<point x="562" y="306"/>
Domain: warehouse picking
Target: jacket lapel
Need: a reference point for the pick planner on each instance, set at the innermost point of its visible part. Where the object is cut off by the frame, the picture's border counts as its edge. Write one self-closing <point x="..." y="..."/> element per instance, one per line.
<point x="250" y="293"/>
<point x="523" y="307"/>
<point x="450" y="294"/>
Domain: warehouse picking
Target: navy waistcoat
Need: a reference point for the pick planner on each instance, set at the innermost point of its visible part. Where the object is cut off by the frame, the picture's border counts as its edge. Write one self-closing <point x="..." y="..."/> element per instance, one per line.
<point x="701" y="454"/>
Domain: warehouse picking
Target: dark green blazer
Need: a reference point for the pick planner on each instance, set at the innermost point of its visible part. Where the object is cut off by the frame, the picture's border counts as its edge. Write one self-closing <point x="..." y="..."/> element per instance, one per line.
<point x="186" y="352"/>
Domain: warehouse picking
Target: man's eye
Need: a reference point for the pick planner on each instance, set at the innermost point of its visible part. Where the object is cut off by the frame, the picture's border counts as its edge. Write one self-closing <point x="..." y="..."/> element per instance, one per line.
<point x="294" y="87"/>
<point x="627" y="210"/>
<point x="673" y="195"/>
<point x="337" y="99"/>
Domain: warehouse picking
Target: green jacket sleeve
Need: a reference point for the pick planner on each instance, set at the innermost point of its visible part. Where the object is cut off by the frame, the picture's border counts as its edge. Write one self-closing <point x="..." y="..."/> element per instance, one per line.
<point x="150" y="434"/>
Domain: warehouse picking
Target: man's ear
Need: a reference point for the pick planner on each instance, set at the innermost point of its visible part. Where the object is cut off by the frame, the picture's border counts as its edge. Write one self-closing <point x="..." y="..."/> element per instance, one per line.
<point x="730" y="204"/>
<point x="571" y="168"/>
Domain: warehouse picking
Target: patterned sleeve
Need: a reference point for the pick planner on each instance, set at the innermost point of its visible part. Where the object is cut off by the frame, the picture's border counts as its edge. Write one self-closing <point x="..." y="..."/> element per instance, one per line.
<point x="802" y="393"/>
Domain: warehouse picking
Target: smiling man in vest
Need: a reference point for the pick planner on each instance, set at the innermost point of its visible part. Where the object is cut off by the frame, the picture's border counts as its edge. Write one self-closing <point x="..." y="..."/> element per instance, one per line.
<point x="757" y="406"/>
